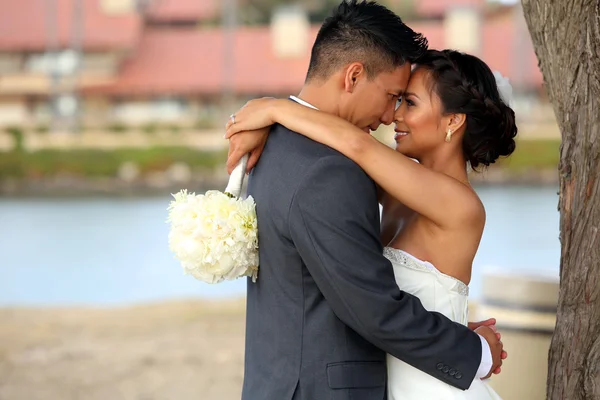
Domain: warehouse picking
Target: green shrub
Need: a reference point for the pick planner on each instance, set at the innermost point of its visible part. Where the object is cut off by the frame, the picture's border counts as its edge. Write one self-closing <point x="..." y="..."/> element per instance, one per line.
<point x="533" y="154"/>
<point x="205" y="123"/>
<point x="174" y="128"/>
<point x="118" y="128"/>
<point x="42" y="129"/>
<point x="150" y="129"/>
<point x="103" y="163"/>
<point x="18" y="137"/>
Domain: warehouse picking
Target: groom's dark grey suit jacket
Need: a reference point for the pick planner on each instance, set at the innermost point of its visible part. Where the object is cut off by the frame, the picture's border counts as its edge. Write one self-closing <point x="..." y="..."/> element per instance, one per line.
<point x="326" y="308"/>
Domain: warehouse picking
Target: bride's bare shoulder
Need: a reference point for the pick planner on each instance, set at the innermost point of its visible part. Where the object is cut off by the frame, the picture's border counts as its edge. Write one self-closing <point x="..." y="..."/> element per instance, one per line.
<point x="477" y="210"/>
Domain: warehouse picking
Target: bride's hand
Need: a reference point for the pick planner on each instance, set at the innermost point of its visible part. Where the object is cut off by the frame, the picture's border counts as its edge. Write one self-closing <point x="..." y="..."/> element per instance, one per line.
<point x="256" y="114"/>
<point x="496" y="348"/>
<point x="491" y="323"/>
<point x="247" y="131"/>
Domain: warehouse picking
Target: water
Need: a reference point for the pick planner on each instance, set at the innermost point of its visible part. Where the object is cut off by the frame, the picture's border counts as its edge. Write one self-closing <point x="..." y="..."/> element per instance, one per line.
<point x="114" y="251"/>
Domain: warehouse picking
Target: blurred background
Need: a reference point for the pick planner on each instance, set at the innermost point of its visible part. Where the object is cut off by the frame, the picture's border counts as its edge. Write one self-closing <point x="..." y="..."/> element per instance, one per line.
<point x="108" y="106"/>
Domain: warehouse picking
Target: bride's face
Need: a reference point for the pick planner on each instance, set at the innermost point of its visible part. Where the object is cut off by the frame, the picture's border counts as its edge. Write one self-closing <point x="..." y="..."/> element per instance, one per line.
<point x="418" y="119"/>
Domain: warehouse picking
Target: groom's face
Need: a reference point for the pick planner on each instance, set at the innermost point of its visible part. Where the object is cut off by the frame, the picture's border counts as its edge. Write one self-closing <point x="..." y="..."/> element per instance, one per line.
<point x="373" y="101"/>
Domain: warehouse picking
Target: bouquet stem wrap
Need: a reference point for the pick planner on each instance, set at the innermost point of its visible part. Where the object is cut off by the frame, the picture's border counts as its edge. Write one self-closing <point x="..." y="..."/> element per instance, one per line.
<point x="236" y="179"/>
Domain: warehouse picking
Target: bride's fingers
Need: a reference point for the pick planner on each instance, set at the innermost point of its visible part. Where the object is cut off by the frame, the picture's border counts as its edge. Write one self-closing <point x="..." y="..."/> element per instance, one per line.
<point x="229" y="132"/>
<point x="233" y="129"/>
<point x="232" y="120"/>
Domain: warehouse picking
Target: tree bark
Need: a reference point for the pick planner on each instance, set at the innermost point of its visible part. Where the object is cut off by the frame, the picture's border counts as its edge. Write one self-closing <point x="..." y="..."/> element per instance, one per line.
<point x="566" y="37"/>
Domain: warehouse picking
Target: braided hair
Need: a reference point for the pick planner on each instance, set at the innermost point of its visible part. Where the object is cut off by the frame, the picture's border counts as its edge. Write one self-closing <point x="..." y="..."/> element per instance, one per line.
<point x="466" y="85"/>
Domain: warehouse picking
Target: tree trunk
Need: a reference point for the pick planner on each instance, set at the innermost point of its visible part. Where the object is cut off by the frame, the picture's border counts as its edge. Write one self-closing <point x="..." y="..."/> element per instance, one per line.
<point x="566" y="37"/>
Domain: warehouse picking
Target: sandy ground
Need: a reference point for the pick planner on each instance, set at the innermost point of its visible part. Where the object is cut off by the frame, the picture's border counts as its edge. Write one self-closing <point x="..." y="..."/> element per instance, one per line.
<point x="176" y="350"/>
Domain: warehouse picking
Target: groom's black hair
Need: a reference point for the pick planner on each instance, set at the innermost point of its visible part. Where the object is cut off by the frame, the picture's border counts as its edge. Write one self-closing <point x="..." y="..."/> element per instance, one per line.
<point x="366" y="32"/>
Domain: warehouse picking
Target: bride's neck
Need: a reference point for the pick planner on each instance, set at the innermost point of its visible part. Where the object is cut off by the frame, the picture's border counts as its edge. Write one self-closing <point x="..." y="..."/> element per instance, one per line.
<point x="449" y="163"/>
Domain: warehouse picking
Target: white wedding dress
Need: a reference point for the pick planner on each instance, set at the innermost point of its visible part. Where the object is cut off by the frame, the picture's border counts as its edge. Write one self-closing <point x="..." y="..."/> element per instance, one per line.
<point x="446" y="295"/>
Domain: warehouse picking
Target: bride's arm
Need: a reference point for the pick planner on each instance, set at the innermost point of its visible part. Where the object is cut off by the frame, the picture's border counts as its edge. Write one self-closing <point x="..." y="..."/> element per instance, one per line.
<point x="438" y="197"/>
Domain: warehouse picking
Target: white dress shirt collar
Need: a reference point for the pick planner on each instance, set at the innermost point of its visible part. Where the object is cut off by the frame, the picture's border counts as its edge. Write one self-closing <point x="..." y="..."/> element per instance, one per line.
<point x="304" y="103"/>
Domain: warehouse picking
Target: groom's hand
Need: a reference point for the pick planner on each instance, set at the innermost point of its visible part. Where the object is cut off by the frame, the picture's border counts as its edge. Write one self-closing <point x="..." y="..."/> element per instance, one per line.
<point x="496" y="347"/>
<point x="252" y="142"/>
<point x="491" y="323"/>
<point x="488" y="322"/>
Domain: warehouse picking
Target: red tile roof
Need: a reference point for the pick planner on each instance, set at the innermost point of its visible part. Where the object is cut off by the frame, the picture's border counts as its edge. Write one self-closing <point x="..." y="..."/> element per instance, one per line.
<point x="433" y="8"/>
<point x="508" y="49"/>
<point x="24" y="26"/>
<point x="191" y="61"/>
<point x="186" y="10"/>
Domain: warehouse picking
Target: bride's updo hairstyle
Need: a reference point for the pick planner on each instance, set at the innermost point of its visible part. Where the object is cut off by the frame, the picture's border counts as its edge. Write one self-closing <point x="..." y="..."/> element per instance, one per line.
<point x="466" y="85"/>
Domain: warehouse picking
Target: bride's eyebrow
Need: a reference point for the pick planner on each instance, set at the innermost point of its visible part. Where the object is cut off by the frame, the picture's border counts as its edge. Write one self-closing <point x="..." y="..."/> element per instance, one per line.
<point x="410" y="94"/>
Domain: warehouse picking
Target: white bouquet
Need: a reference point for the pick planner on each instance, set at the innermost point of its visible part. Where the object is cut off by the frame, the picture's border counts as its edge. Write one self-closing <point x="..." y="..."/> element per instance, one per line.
<point x="214" y="235"/>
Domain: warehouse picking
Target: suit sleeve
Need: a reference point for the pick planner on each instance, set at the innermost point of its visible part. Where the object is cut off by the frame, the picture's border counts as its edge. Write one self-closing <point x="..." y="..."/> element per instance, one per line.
<point x="334" y="224"/>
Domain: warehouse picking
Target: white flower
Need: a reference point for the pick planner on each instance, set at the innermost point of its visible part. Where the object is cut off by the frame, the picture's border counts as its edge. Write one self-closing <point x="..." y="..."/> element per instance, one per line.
<point x="504" y="88"/>
<point x="214" y="236"/>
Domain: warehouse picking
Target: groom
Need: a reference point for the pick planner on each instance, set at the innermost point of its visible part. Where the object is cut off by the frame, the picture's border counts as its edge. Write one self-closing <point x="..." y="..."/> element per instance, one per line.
<point x="326" y="308"/>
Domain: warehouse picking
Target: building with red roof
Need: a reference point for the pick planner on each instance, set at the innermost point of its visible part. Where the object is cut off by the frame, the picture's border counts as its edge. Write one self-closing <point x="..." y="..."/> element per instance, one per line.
<point x="143" y="59"/>
<point x="35" y="25"/>
<point x="181" y="11"/>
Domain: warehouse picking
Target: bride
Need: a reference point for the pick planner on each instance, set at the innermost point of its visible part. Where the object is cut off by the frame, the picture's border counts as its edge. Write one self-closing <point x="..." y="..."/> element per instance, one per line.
<point x="450" y="118"/>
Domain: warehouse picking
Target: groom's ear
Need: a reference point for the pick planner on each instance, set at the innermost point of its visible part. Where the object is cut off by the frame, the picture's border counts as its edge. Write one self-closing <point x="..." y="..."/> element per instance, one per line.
<point x="354" y="72"/>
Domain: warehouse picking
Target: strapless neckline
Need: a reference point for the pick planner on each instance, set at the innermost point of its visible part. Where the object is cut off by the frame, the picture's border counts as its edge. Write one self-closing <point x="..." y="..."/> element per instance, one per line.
<point x="408" y="260"/>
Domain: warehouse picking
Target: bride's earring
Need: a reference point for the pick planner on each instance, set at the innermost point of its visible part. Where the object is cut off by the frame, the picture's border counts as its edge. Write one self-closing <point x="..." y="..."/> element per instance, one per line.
<point x="449" y="136"/>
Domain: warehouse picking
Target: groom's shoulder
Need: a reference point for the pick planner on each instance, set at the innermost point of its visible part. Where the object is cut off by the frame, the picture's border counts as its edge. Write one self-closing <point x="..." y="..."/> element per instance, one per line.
<point x="312" y="162"/>
<point x="295" y="145"/>
<point x="330" y="179"/>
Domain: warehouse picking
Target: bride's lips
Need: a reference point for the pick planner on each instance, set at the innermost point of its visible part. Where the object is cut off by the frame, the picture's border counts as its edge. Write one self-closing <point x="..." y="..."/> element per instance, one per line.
<point x="400" y="135"/>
